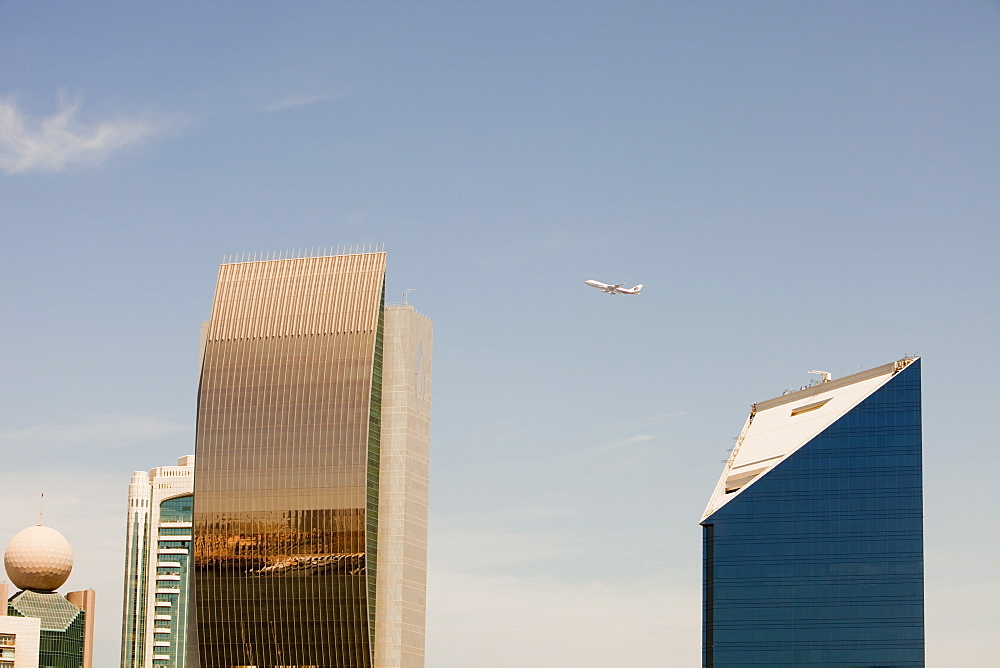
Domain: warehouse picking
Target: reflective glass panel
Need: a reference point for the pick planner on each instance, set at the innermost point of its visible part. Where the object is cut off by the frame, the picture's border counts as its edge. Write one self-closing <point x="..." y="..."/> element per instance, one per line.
<point x="820" y="561"/>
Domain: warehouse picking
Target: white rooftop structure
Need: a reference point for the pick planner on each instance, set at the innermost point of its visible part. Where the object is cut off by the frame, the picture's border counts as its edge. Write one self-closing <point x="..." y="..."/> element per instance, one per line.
<point x="777" y="428"/>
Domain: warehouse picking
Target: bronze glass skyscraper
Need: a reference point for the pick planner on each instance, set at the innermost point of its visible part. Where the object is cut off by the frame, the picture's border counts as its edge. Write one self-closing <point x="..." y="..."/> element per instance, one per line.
<point x="287" y="477"/>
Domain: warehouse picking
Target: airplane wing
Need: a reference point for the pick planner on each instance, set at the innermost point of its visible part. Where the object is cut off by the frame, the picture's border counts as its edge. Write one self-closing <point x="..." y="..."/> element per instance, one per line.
<point x="610" y="288"/>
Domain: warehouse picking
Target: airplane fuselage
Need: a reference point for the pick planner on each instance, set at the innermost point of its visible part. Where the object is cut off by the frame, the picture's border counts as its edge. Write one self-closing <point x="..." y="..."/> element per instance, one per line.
<point x="615" y="289"/>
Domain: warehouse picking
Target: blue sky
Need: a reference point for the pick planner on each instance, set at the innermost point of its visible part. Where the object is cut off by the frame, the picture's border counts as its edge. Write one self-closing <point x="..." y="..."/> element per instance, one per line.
<point x="798" y="185"/>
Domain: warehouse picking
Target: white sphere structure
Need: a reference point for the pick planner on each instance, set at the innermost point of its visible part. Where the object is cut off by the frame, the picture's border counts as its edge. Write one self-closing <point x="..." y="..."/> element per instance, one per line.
<point x="38" y="558"/>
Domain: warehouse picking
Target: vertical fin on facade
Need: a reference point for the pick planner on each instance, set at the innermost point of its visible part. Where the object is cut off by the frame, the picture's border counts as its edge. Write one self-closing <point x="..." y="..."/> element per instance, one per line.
<point x="374" y="460"/>
<point x="287" y="482"/>
<point x="301" y="296"/>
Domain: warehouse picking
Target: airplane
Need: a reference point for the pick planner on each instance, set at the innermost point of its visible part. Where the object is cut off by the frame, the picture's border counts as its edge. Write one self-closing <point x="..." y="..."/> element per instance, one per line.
<point x="616" y="289"/>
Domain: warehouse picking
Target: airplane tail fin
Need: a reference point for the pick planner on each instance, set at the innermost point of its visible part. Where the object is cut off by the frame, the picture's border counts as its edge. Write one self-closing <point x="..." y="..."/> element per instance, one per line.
<point x="637" y="288"/>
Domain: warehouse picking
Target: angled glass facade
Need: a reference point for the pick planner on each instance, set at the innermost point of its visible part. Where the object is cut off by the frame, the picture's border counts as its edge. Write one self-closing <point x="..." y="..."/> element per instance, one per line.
<point x="819" y="562"/>
<point x="288" y="469"/>
<point x="62" y="635"/>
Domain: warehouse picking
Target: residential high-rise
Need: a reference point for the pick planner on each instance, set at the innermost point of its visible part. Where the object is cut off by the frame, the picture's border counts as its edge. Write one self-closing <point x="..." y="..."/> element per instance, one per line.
<point x="311" y="476"/>
<point x="158" y="545"/>
<point x="813" y="538"/>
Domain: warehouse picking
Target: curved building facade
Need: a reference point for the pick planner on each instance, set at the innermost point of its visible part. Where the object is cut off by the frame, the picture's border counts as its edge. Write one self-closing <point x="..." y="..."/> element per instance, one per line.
<point x="289" y="468"/>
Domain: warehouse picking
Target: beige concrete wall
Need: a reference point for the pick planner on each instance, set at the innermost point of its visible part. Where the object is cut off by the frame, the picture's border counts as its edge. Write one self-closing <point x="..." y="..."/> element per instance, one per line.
<point x="403" y="480"/>
<point x="26" y="632"/>
<point x="86" y="600"/>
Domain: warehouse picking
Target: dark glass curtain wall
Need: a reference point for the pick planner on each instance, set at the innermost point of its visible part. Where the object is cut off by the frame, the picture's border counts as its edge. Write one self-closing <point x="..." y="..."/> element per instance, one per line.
<point x="820" y="562"/>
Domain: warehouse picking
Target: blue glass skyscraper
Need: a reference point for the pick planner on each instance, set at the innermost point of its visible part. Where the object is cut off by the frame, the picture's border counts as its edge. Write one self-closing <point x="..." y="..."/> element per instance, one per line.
<point x="813" y="539"/>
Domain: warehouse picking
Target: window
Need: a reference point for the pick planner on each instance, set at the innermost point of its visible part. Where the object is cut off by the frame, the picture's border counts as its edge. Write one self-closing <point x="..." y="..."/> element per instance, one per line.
<point x="808" y="407"/>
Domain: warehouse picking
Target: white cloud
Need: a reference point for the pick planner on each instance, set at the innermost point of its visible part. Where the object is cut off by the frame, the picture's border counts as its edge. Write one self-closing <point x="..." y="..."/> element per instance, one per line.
<point x="98" y="431"/>
<point x="647" y="421"/>
<point x="52" y="143"/>
<point x="298" y="101"/>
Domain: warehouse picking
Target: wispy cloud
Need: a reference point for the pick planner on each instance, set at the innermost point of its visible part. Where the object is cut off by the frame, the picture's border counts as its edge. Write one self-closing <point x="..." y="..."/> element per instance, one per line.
<point x="98" y="431"/>
<point x="298" y="101"/>
<point x="52" y="143"/>
<point x="659" y="419"/>
<point x="627" y="443"/>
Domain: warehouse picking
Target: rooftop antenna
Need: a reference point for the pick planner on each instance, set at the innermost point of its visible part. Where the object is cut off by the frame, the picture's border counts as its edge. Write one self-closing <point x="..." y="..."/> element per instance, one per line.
<point x="41" y="509"/>
<point x="406" y="295"/>
<point x="827" y="376"/>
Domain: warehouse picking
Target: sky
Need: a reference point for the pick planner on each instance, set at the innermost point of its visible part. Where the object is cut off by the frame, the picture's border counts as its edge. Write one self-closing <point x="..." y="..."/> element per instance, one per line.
<point x="798" y="186"/>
